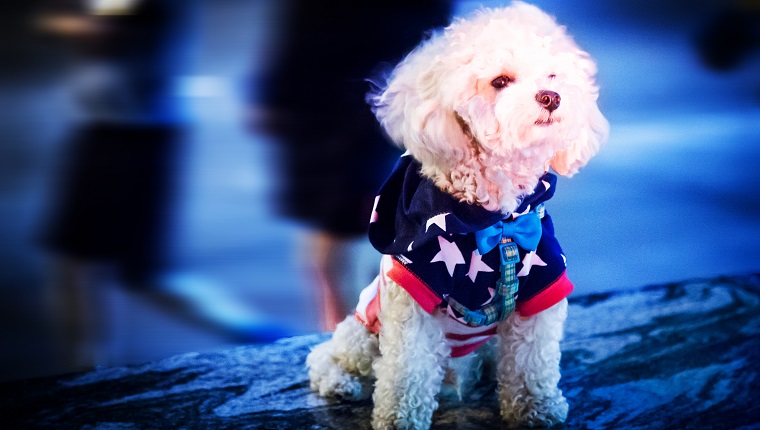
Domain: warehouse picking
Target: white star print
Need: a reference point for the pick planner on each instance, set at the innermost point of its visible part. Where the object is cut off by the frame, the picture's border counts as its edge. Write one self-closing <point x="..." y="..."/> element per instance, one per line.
<point x="375" y="215"/>
<point x="492" y="293"/>
<point x="531" y="259"/>
<point x="439" y="220"/>
<point x="409" y="248"/>
<point x="515" y="215"/>
<point x="449" y="254"/>
<point x="476" y="266"/>
<point x="546" y="184"/>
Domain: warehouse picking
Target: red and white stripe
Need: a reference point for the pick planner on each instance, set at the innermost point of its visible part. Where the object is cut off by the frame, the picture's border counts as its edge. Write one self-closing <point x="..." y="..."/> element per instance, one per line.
<point x="462" y="338"/>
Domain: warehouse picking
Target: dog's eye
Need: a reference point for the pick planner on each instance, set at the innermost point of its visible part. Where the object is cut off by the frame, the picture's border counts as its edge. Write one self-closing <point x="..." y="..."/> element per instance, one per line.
<point x="501" y="82"/>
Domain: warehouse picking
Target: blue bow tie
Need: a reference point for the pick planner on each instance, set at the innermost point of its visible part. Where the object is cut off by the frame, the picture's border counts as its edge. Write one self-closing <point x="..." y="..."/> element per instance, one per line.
<point x="525" y="231"/>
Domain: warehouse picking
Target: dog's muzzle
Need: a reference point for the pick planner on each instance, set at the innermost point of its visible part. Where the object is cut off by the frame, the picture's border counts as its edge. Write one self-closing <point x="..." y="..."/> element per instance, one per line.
<point x="549" y="100"/>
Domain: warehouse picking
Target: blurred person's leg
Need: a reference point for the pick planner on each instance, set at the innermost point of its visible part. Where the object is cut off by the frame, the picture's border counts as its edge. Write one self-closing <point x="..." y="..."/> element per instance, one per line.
<point x="79" y="315"/>
<point x="106" y="227"/>
<point x="328" y="257"/>
<point x="342" y="267"/>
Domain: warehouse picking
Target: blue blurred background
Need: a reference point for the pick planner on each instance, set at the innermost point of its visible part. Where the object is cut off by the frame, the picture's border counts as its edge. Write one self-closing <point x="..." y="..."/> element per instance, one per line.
<point x="673" y="195"/>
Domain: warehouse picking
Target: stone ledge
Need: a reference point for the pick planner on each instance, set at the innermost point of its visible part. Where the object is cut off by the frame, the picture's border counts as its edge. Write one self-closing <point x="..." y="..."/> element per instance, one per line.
<point x="682" y="355"/>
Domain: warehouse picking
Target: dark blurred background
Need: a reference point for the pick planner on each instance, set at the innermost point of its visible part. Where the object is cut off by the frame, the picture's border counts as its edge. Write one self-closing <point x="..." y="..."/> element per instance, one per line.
<point x="672" y="196"/>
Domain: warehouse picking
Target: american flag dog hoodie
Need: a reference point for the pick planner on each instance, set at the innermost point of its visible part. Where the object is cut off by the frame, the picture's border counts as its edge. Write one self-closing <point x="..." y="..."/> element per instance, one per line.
<point x="427" y="239"/>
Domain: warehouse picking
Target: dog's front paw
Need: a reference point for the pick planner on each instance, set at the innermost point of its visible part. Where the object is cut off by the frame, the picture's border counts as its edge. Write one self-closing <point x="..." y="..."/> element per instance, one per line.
<point x="531" y="411"/>
<point x="329" y="379"/>
<point x="341" y="385"/>
<point x="412" y="415"/>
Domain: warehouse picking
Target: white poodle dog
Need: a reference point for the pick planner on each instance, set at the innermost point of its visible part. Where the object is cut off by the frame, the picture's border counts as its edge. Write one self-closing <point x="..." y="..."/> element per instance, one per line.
<point x="484" y="109"/>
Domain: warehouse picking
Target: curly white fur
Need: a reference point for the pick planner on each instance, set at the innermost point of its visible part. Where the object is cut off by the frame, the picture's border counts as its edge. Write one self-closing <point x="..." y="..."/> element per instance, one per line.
<point x="486" y="146"/>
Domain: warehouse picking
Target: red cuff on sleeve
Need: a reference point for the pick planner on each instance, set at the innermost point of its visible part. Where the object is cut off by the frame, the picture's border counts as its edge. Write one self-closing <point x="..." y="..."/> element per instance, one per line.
<point x="547" y="298"/>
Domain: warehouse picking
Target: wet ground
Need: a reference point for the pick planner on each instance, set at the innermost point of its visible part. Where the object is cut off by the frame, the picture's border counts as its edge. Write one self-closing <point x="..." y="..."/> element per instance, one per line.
<point x="681" y="356"/>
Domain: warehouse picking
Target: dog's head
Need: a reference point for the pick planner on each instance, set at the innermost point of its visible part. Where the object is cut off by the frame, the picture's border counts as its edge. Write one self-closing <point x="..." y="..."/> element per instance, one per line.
<point x="489" y="103"/>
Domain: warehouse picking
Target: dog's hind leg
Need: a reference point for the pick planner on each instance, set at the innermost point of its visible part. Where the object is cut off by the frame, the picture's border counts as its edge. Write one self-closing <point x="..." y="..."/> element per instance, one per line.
<point x="342" y="366"/>
<point x="411" y="367"/>
<point x="528" y="369"/>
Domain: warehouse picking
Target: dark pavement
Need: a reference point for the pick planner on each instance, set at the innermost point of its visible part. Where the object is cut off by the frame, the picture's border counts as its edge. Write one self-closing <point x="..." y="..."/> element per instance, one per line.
<point x="681" y="356"/>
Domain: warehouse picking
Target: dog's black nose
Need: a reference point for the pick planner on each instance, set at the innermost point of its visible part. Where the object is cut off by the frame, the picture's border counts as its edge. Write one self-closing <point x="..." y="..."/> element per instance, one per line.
<point x="549" y="100"/>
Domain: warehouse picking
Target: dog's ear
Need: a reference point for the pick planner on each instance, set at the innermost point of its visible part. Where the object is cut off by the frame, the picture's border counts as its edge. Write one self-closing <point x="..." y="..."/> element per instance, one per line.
<point x="595" y="128"/>
<point x="584" y="147"/>
<point x="410" y="109"/>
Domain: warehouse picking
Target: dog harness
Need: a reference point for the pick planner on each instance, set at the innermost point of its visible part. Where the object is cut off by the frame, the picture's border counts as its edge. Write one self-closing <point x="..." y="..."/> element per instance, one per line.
<point x="475" y="265"/>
